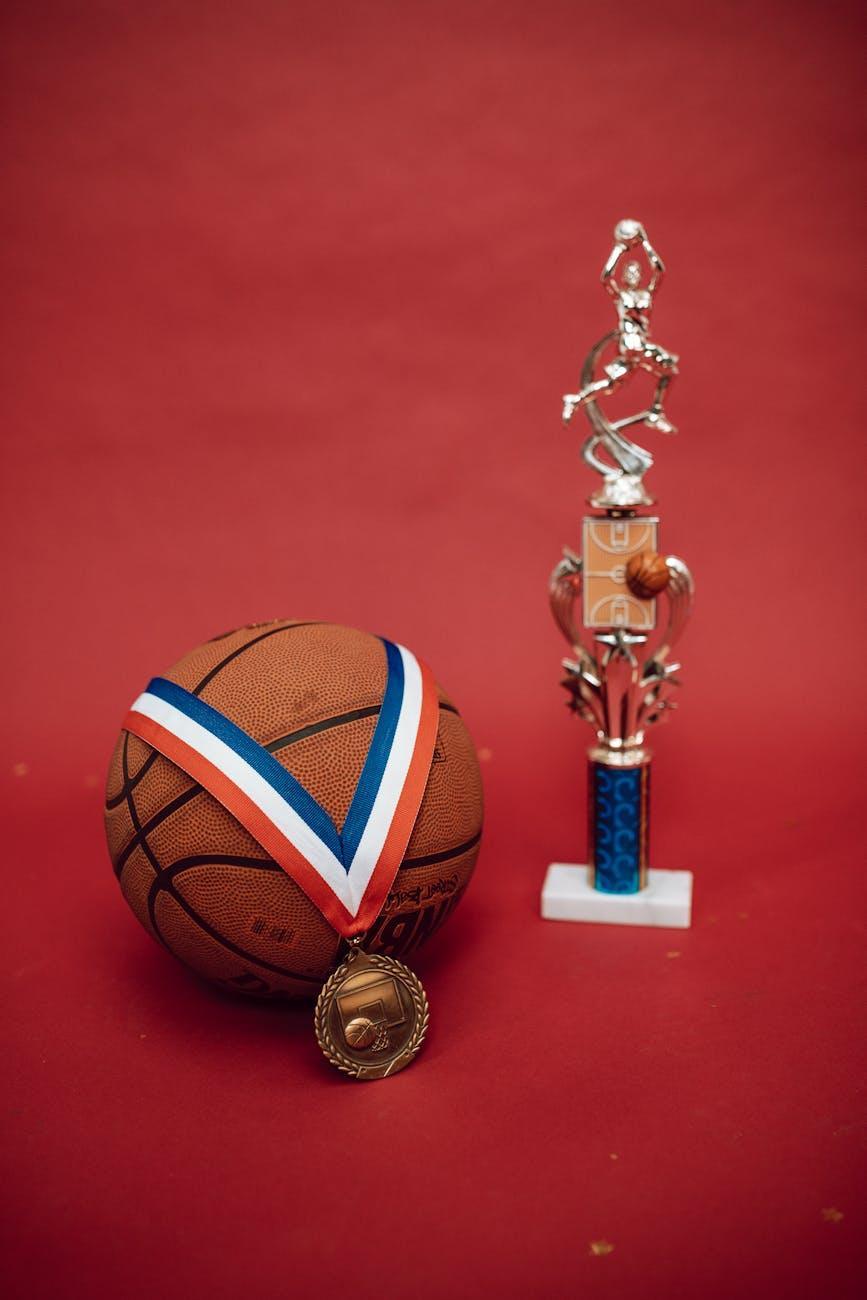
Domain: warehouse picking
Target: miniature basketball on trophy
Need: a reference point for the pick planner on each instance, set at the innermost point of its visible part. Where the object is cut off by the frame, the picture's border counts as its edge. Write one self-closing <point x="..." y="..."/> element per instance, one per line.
<point x="647" y="575"/>
<point x="628" y="232"/>
<point x="286" y="787"/>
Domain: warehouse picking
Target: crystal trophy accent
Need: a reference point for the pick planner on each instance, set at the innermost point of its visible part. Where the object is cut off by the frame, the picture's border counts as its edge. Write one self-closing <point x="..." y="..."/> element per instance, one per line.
<point x="621" y="606"/>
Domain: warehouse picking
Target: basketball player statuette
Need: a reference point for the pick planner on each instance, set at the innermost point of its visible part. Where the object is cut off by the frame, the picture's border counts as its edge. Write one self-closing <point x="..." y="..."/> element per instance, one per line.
<point x="620" y="676"/>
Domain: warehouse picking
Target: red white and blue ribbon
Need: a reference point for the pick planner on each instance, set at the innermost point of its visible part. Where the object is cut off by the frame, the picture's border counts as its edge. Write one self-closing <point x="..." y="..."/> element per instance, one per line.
<point x="347" y="873"/>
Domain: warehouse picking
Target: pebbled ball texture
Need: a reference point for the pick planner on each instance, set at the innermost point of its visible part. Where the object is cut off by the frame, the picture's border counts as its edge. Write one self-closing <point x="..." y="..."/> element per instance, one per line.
<point x="199" y="882"/>
<point x="647" y="575"/>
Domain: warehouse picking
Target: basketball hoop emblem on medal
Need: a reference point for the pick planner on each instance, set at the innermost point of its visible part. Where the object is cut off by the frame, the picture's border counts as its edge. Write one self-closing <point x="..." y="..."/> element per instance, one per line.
<point x="371" y="1016"/>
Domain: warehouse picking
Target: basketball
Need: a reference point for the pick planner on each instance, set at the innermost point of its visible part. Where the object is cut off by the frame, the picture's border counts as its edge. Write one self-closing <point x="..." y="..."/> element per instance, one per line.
<point x="647" y="575"/>
<point x="628" y="232"/>
<point x="313" y="697"/>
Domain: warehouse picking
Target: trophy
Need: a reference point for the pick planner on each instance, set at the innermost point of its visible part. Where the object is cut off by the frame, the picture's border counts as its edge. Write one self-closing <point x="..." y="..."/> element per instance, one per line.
<point x="621" y="606"/>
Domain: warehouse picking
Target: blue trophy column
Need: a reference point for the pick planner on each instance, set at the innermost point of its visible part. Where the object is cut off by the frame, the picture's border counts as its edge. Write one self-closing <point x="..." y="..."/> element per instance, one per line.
<point x="618" y="825"/>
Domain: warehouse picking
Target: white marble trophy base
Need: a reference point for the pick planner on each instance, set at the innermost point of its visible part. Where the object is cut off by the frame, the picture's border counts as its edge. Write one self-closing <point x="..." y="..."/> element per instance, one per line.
<point x="666" y="900"/>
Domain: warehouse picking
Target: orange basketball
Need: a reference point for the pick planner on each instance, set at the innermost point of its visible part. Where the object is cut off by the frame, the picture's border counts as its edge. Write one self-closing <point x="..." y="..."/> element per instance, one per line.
<point x="203" y="886"/>
<point x="647" y="575"/>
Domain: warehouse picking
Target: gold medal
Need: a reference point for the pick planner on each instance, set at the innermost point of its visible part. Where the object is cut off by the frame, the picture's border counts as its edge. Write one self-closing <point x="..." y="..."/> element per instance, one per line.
<point x="371" y="1016"/>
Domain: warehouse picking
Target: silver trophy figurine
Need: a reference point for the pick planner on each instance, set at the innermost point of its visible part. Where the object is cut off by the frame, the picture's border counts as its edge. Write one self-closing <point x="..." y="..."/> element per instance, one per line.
<point x="619" y="675"/>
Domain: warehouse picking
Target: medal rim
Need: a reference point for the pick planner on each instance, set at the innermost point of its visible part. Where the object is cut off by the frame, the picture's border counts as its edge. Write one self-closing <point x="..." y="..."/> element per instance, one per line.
<point x="331" y="1050"/>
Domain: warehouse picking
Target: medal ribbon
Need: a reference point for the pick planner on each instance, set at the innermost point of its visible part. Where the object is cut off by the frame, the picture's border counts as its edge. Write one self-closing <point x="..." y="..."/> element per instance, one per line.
<point x="347" y="873"/>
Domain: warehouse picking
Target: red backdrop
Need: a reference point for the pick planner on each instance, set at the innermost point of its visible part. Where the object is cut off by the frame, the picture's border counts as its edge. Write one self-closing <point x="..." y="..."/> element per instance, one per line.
<point x="291" y="294"/>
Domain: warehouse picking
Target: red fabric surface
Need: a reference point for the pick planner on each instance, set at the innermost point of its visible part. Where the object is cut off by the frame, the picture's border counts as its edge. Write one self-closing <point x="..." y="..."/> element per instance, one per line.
<point x="291" y="294"/>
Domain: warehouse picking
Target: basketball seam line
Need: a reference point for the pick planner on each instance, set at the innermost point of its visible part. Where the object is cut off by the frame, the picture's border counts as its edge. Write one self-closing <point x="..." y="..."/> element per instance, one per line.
<point x="134" y="817"/>
<point x="159" y="887"/>
<point x="282" y="742"/>
<point x="430" y="859"/>
<point x="164" y="883"/>
<point x="272" y="631"/>
<point x="158" y="818"/>
<point x="118" y="798"/>
<point x="354" y="715"/>
<point x="183" y="798"/>
<point x="273" y="746"/>
<point x="218" y="860"/>
<point x="268" y="864"/>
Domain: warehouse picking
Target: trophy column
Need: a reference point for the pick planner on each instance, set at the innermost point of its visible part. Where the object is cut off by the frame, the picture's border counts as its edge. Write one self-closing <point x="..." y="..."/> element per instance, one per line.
<point x="617" y="823"/>
<point x="621" y="606"/>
